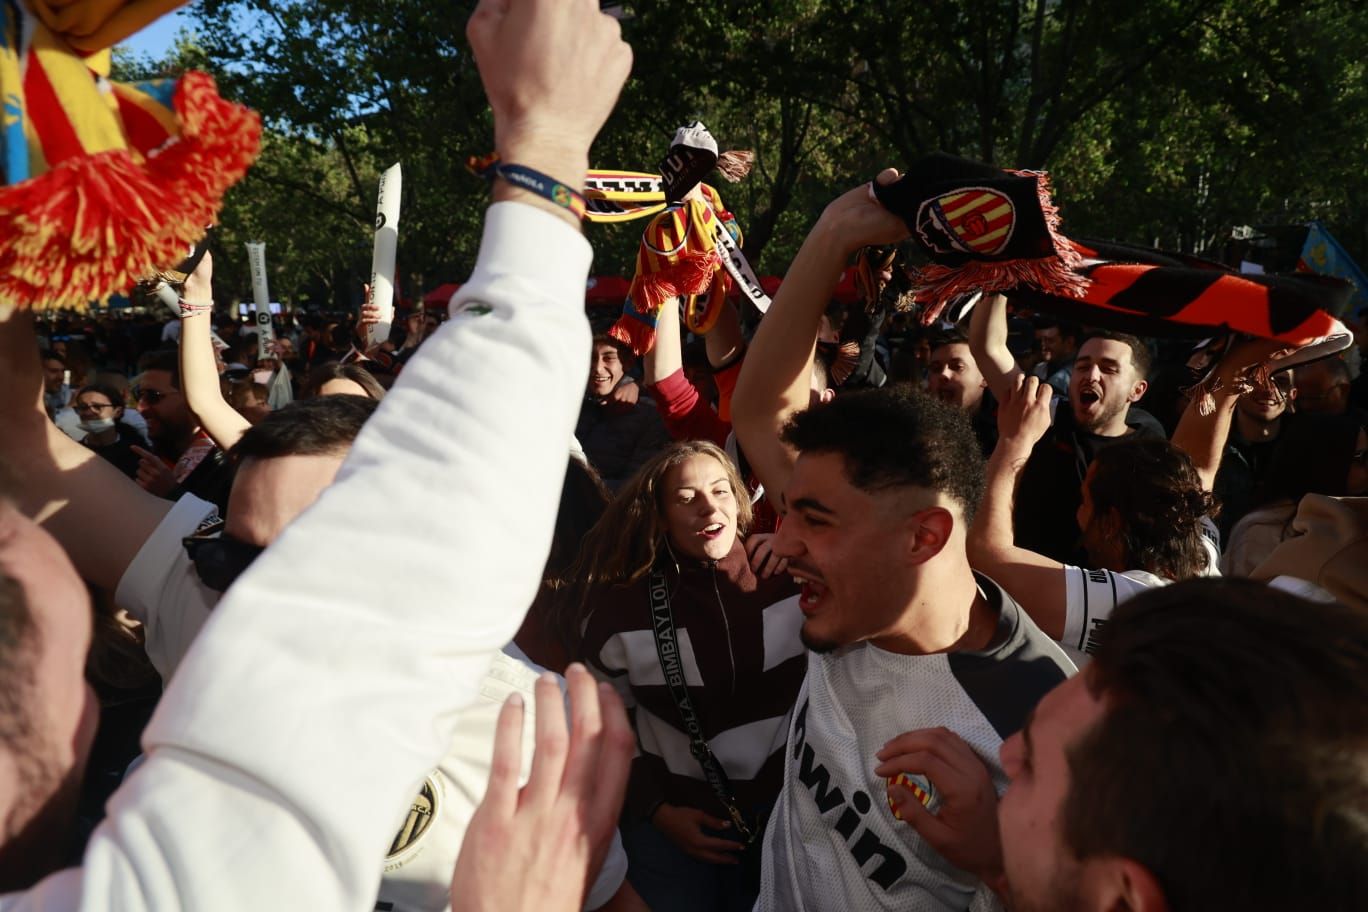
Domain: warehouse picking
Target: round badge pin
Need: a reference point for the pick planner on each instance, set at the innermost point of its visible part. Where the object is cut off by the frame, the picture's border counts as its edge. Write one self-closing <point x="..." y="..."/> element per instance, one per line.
<point x="920" y="787"/>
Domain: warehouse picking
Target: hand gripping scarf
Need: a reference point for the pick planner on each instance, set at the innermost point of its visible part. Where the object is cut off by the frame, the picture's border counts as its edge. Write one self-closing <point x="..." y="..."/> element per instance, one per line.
<point x="102" y="183"/>
<point x="692" y="247"/>
<point x="983" y="229"/>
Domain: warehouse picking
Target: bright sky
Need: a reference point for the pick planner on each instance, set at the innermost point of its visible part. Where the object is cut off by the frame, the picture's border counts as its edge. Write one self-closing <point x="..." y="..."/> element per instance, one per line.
<point x="157" y="38"/>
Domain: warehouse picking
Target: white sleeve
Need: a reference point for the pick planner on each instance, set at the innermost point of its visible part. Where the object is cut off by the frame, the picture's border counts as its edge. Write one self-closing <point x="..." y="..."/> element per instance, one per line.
<point x="161" y="590"/>
<point x="610" y="876"/>
<point x="1091" y="597"/>
<point x="420" y="862"/>
<point x="286" y="750"/>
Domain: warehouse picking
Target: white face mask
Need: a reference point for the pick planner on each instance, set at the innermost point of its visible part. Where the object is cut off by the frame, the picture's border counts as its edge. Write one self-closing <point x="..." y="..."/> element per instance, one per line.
<point x="96" y="425"/>
<point x="263" y="377"/>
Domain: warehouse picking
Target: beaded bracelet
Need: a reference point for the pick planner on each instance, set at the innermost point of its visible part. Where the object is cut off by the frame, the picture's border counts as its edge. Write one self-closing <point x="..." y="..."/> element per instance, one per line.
<point x="193" y="308"/>
<point x="534" y="181"/>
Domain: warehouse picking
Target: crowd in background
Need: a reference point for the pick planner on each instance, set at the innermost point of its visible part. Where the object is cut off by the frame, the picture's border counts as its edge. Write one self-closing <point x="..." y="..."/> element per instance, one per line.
<point x="821" y="610"/>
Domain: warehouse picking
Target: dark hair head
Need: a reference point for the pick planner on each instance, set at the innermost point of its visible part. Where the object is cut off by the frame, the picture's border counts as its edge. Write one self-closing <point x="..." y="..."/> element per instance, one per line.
<point x="163" y="359"/>
<point x="1066" y="329"/>
<point x="1140" y="353"/>
<point x="1158" y="496"/>
<point x="48" y="354"/>
<point x="309" y="427"/>
<point x="952" y="336"/>
<point x="623" y="349"/>
<point x="1311" y="456"/>
<point x="241" y="393"/>
<point x="104" y="389"/>
<point x="1337" y="367"/>
<point x="893" y="438"/>
<point x="333" y="370"/>
<point x="582" y="502"/>
<point x="1230" y="758"/>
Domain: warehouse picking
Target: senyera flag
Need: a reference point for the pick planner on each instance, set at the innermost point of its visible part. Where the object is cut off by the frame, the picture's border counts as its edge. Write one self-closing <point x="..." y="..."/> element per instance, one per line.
<point x="103" y="183"/>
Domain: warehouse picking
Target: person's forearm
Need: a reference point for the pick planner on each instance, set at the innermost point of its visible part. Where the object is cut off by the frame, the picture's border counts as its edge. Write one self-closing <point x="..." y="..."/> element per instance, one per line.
<point x="667" y="355"/>
<point x="200" y="383"/>
<point x="1203" y="437"/>
<point x="725" y="342"/>
<point x="992" y="534"/>
<point x="775" y="379"/>
<point x="1035" y="581"/>
<point x="988" y="344"/>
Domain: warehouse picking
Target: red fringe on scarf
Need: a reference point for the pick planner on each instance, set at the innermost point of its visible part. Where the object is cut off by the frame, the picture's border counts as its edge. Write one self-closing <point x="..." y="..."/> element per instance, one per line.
<point x="937" y="285"/>
<point x="690" y="274"/>
<point x="92" y="225"/>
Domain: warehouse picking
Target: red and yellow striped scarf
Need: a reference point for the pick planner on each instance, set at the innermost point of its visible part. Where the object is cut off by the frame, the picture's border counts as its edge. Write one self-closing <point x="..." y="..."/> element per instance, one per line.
<point x="678" y="257"/>
<point x="102" y="183"/>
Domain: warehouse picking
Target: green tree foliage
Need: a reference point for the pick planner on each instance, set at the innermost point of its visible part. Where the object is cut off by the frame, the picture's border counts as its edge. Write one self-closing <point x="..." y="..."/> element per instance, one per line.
<point x="1166" y="122"/>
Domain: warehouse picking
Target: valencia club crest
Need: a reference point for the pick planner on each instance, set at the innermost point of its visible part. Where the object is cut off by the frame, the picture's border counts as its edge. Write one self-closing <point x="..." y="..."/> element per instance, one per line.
<point x="976" y="220"/>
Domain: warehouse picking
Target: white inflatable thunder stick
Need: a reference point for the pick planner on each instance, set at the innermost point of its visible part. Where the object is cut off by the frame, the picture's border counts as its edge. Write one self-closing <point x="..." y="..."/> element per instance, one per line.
<point x="261" y="295"/>
<point x="382" y="260"/>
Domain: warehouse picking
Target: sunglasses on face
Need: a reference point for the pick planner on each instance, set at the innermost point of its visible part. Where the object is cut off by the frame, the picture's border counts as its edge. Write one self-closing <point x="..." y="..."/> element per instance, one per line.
<point x="219" y="558"/>
<point x="151" y="397"/>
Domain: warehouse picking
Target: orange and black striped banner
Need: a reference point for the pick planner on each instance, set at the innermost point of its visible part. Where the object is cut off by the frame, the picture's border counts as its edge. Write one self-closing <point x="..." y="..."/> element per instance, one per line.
<point x="1158" y="293"/>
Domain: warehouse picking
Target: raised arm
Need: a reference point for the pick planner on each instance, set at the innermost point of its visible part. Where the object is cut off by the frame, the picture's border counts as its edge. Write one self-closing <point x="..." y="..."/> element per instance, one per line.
<point x="667" y="355"/>
<point x="98" y="515"/>
<point x="988" y="344"/>
<point x="319" y="653"/>
<point x="776" y="380"/>
<point x="725" y="342"/>
<point x="199" y="375"/>
<point x="686" y="414"/>
<point x="1203" y="436"/>
<point x="1034" y="580"/>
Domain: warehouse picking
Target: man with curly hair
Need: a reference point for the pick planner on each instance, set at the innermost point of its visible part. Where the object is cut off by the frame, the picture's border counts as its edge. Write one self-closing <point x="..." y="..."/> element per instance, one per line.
<point x="908" y="645"/>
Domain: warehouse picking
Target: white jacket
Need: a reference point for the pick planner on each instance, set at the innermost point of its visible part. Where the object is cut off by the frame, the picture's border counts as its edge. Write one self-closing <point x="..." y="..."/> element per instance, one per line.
<point x="286" y="750"/>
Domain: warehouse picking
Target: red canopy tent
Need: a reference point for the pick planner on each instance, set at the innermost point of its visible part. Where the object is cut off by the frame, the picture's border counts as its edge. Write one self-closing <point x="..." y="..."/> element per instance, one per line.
<point x="606" y="291"/>
<point x="441" y="294"/>
<point x="846" y="291"/>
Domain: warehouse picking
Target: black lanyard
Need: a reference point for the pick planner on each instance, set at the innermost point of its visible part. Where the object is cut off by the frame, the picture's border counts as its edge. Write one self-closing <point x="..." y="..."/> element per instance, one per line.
<point x="667" y="647"/>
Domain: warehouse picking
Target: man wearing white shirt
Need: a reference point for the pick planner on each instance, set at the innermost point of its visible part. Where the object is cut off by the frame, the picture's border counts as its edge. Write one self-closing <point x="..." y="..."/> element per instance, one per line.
<point x="262" y="786"/>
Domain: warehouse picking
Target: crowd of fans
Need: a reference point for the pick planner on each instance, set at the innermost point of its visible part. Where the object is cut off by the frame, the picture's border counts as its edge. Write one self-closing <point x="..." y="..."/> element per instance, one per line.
<point x="993" y="616"/>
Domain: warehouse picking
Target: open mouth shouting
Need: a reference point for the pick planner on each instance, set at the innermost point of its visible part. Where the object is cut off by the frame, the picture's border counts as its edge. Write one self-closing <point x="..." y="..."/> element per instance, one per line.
<point x="712" y="532"/>
<point x="814" y="590"/>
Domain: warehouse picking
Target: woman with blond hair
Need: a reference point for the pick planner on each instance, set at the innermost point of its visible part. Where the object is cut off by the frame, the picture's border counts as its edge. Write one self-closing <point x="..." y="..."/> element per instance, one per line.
<point x="665" y="605"/>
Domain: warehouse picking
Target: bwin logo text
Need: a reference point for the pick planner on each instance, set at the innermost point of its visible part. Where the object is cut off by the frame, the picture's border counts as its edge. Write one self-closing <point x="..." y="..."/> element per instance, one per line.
<point x="817" y="779"/>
